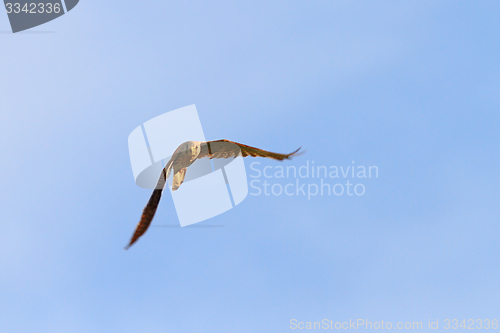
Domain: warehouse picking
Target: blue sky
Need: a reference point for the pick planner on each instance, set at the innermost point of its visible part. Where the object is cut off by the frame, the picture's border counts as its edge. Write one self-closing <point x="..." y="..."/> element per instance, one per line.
<point x="410" y="87"/>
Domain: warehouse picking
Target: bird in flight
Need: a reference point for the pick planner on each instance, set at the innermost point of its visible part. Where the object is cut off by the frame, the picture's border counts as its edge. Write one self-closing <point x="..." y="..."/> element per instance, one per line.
<point x="185" y="155"/>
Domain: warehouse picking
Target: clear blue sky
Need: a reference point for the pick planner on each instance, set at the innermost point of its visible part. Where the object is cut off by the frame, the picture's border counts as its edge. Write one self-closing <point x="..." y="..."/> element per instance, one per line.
<point x="410" y="87"/>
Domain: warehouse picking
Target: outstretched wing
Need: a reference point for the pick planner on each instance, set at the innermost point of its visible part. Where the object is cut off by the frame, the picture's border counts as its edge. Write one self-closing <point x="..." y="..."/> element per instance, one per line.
<point x="225" y="149"/>
<point x="149" y="211"/>
<point x="147" y="216"/>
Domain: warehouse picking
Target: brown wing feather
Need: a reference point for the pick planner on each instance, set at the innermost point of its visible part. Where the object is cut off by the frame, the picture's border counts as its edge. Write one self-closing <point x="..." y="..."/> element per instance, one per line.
<point x="149" y="211"/>
<point x="147" y="216"/>
<point x="225" y="149"/>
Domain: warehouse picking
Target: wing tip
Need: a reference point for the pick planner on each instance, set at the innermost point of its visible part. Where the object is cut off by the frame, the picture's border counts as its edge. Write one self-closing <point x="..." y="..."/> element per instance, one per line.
<point x="296" y="152"/>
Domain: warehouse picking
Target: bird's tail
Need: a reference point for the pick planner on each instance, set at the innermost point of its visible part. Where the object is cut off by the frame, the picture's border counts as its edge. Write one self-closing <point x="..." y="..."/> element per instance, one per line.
<point x="178" y="179"/>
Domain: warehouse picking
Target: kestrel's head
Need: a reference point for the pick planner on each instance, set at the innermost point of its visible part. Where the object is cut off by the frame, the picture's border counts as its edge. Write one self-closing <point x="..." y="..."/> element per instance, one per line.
<point x="194" y="146"/>
<point x="190" y="147"/>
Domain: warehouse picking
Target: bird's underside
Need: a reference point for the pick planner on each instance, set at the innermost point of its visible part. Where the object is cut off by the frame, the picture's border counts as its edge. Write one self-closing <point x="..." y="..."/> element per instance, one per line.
<point x="185" y="155"/>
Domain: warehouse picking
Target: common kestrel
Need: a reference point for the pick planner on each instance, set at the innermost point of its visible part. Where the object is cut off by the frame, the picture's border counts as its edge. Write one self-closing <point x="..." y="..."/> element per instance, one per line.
<point x="185" y="155"/>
